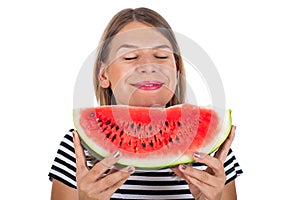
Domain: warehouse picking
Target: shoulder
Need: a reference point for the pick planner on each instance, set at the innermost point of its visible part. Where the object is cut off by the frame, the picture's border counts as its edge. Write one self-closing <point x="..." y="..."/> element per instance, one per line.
<point x="63" y="168"/>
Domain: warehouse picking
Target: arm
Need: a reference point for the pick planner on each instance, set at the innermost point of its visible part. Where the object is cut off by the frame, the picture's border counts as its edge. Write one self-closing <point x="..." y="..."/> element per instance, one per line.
<point x="229" y="192"/>
<point x="62" y="191"/>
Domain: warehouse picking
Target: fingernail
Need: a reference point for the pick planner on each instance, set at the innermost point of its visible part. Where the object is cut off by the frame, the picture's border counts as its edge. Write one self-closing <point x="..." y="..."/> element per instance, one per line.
<point x="116" y="154"/>
<point x="130" y="169"/>
<point x="183" y="167"/>
<point x="199" y="155"/>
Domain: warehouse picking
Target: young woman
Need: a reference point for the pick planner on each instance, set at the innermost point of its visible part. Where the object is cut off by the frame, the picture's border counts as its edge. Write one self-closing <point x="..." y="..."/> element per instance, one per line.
<point x="139" y="64"/>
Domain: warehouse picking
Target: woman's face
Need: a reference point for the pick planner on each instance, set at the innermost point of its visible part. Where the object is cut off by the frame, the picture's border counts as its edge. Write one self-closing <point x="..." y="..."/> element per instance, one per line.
<point x="141" y="69"/>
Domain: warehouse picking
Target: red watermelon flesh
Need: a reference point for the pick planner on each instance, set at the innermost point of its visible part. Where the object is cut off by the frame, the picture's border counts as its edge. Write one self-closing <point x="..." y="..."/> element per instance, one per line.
<point x="152" y="137"/>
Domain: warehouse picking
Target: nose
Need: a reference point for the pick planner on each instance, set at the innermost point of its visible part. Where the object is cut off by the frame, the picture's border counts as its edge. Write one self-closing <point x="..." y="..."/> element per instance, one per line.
<point x="147" y="65"/>
<point x="147" y="68"/>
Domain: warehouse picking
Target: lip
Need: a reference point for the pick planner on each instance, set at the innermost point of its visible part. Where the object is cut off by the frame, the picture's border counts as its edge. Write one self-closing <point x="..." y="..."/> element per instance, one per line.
<point x="148" y="85"/>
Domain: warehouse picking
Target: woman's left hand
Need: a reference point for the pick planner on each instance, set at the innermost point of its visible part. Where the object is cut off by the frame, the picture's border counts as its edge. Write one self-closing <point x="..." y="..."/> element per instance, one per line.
<point x="208" y="184"/>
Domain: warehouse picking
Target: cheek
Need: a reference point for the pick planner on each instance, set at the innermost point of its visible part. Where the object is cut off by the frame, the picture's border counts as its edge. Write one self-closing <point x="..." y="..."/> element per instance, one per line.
<point x="115" y="76"/>
<point x="171" y="73"/>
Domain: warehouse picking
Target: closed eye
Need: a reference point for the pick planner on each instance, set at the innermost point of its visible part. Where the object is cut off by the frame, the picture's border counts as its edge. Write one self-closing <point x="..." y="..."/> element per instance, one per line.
<point x="161" y="57"/>
<point x="131" y="58"/>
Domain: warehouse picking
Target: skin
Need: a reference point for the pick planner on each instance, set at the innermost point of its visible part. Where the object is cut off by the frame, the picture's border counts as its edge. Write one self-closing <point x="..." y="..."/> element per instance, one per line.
<point x="147" y="57"/>
<point x="143" y="59"/>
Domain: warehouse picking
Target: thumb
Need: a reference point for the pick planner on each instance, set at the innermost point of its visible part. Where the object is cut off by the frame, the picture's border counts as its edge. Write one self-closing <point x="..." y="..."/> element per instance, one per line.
<point x="225" y="147"/>
<point x="81" y="165"/>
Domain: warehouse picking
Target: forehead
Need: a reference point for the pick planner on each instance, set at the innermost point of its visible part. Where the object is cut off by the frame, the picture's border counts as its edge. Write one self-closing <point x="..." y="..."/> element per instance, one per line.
<point x="139" y="35"/>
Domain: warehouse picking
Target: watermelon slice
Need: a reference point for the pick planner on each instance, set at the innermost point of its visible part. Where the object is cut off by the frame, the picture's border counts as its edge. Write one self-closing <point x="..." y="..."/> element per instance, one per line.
<point x="152" y="138"/>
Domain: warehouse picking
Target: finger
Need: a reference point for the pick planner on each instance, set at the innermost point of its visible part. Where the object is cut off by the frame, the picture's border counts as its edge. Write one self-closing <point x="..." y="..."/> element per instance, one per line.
<point x="213" y="163"/>
<point x="81" y="165"/>
<point x="199" y="175"/>
<point x="112" y="170"/>
<point x="224" y="149"/>
<point x="179" y="174"/>
<point x="115" y="187"/>
<point x="107" y="185"/>
<point x="129" y="169"/>
<point x="115" y="180"/>
<point x="101" y="167"/>
<point x="205" y="189"/>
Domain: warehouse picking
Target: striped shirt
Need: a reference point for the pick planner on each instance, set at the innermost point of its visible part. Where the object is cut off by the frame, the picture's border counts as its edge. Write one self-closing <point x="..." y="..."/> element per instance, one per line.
<point x="142" y="184"/>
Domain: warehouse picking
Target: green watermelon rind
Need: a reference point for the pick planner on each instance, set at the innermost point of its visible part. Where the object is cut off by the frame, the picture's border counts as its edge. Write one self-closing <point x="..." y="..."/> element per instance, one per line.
<point x="184" y="159"/>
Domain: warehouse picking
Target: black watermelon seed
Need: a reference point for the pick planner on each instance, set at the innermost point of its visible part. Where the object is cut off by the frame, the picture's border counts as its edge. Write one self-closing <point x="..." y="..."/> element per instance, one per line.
<point x="113" y="138"/>
<point x="150" y="128"/>
<point x="177" y="139"/>
<point x="170" y="140"/>
<point x="107" y="122"/>
<point x="117" y="128"/>
<point x="132" y="125"/>
<point x="108" y="135"/>
<point x="121" y="133"/>
<point x="151" y="143"/>
<point x="166" y="123"/>
<point x="143" y="145"/>
<point x="138" y="127"/>
<point x="178" y="124"/>
<point x="160" y="131"/>
<point x="112" y="126"/>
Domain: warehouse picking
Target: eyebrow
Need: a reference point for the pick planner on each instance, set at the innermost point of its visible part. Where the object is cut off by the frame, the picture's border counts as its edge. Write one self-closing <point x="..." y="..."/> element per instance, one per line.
<point x="130" y="46"/>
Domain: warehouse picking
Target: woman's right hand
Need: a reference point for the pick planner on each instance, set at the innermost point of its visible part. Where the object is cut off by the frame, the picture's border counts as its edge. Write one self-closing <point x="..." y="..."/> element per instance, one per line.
<point x="92" y="183"/>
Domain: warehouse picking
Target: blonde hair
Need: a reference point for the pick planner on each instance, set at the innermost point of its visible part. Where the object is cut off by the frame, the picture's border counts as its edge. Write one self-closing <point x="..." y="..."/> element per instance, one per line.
<point x="147" y="16"/>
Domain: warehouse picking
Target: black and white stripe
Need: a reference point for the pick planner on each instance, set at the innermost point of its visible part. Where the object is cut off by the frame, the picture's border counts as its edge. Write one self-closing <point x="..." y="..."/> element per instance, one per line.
<point x="143" y="184"/>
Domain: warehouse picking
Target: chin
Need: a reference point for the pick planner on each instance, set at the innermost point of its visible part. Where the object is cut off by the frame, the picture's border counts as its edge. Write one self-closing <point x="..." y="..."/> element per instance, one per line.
<point x="158" y="98"/>
<point x="149" y="101"/>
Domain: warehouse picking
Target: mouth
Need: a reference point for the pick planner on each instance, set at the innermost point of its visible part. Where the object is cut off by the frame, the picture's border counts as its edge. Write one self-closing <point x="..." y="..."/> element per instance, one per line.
<point x="148" y="85"/>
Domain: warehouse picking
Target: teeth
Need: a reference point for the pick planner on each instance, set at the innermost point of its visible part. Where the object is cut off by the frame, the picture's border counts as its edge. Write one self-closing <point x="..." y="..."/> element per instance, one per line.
<point x="149" y="85"/>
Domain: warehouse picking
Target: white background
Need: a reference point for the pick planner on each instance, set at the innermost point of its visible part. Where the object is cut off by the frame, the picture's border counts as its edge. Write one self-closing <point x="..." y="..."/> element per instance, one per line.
<point x="255" y="45"/>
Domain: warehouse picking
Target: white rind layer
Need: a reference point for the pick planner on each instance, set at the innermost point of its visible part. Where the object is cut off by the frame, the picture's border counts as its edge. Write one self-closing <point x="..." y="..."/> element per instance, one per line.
<point x="223" y="133"/>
